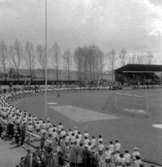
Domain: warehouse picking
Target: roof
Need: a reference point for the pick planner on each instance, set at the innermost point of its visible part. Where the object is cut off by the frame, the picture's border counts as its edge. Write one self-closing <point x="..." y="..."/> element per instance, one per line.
<point x="137" y="68"/>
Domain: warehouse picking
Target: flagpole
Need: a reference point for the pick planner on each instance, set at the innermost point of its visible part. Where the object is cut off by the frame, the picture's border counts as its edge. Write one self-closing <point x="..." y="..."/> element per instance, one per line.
<point x="46" y="62"/>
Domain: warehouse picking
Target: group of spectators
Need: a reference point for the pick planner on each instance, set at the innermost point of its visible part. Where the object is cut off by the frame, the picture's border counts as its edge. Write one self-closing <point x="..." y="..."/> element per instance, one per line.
<point x="59" y="146"/>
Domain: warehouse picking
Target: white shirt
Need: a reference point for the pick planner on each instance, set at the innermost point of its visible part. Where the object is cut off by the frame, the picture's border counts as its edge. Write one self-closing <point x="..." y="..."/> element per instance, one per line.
<point x="135" y="153"/>
<point x="111" y="147"/>
<point x="127" y="157"/>
<point x="108" y="154"/>
<point x="94" y="142"/>
<point x="117" y="146"/>
<point x="30" y="127"/>
<point x="101" y="147"/>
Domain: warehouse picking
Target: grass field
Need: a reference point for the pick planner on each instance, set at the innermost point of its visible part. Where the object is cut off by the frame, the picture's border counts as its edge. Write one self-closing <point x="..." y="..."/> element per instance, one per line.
<point x="121" y="108"/>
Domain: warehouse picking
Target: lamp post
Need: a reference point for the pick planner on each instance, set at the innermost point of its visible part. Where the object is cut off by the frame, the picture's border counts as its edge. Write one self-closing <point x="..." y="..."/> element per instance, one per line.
<point x="46" y="62"/>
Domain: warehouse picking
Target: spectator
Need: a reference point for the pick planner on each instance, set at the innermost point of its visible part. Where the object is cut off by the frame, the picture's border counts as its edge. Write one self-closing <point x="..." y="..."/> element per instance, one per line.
<point x="138" y="162"/>
<point x="108" y="156"/>
<point x="42" y="141"/>
<point x="135" y="153"/>
<point x="1" y="130"/>
<point x="23" y="133"/>
<point x="117" y="145"/>
<point x="111" y="147"/>
<point x="28" y="159"/>
<point x="86" y="157"/>
<point x="36" y="162"/>
<point x="127" y="157"/>
<point x="73" y="155"/>
<point x="80" y="155"/>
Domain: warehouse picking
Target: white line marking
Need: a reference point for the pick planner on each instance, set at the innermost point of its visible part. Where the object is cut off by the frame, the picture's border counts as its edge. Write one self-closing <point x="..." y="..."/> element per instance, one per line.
<point x="52" y="103"/>
<point x="157" y="126"/>
<point x="138" y="111"/>
<point x="126" y="94"/>
<point x="81" y="114"/>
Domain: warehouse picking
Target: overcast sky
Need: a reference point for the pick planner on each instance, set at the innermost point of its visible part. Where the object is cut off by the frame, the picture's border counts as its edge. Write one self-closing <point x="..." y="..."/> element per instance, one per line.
<point x="133" y="24"/>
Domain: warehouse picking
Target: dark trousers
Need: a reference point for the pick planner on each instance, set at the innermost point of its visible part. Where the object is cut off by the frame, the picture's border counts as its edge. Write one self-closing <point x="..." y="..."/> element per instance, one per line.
<point x="73" y="164"/>
<point x="22" y="140"/>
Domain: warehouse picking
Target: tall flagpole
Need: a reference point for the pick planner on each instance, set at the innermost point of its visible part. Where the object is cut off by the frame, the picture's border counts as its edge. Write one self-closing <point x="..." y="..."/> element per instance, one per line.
<point x="46" y="62"/>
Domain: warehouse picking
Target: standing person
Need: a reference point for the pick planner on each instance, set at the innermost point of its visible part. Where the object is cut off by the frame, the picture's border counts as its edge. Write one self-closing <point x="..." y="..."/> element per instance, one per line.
<point x="80" y="155"/>
<point x="1" y="129"/>
<point x="86" y="157"/>
<point x="36" y="162"/>
<point x="138" y="162"/>
<point x="117" y="145"/>
<point x="135" y="153"/>
<point x="94" y="160"/>
<point x="28" y="159"/>
<point x="49" y="159"/>
<point x="73" y="155"/>
<point x="108" y="156"/>
<point x="17" y="136"/>
<point x="127" y="158"/>
<point x="60" y="159"/>
<point x="23" y="133"/>
<point x="42" y="141"/>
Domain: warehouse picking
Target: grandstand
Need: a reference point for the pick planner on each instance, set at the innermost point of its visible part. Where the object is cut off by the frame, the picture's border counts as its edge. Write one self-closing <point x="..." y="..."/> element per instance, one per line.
<point x="139" y="74"/>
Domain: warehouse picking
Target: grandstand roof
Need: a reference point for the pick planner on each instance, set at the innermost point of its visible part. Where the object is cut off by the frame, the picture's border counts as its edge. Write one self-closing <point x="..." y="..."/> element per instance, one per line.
<point x="137" y="68"/>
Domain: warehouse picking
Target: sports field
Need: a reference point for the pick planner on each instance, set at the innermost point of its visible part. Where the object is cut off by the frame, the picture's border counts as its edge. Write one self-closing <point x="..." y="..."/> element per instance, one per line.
<point x="132" y="116"/>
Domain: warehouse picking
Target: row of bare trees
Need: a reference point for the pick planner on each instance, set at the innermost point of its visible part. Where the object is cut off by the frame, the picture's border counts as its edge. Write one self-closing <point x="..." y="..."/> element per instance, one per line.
<point x="17" y="56"/>
<point x="89" y="60"/>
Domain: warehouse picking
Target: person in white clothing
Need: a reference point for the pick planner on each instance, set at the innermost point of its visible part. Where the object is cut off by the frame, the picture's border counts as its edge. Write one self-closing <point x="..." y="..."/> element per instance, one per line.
<point x="93" y="141"/>
<point x="108" y="156"/>
<point x="54" y="134"/>
<point x="135" y="153"/>
<point x="100" y="138"/>
<point x="60" y="127"/>
<point x="127" y="157"/>
<point x="138" y="162"/>
<point x="86" y="134"/>
<point x="62" y="133"/>
<point x="117" y="145"/>
<point x="111" y="146"/>
<point x="101" y="147"/>
<point x="86" y="140"/>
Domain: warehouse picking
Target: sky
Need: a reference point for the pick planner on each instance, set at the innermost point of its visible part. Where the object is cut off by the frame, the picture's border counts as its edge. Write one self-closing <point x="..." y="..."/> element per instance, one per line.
<point x="132" y="24"/>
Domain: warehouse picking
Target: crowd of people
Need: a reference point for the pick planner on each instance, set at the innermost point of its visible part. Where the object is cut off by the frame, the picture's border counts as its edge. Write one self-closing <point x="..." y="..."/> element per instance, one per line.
<point x="59" y="146"/>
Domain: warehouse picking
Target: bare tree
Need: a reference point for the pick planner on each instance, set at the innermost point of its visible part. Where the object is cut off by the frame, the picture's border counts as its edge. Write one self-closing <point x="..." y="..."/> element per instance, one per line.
<point x="67" y="62"/>
<point x="16" y="53"/>
<point x="89" y="62"/>
<point x="3" y="56"/>
<point x="122" y="56"/>
<point x="140" y="59"/>
<point x="55" y="52"/>
<point x="150" y="57"/>
<point x="96" y="61"/>
<point x="41" y="57"/>
<point x="79" y="62"/>
<point x="30" y="57"/>
<point x="112" y="57"/>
